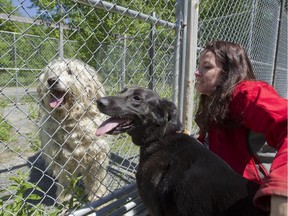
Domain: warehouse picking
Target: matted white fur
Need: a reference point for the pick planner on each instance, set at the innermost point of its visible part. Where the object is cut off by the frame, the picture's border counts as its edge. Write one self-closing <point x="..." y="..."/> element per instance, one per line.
<point x="69" y="118"/>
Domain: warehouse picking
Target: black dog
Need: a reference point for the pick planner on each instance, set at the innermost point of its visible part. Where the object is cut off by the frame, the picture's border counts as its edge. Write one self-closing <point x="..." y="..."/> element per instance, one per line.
<point x="177" y="175"/>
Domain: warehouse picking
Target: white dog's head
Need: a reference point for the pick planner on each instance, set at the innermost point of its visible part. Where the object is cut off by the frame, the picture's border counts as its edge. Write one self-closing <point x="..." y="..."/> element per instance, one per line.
<point x="68" y="85"/>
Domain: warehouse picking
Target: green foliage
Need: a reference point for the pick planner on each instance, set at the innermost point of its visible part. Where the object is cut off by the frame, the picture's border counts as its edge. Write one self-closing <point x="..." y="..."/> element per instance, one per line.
<point x="6" y="79"/>
<point x="27" y="51"/>
<point x="16" y="78"/>
<point x="27" y="98"/>
<point x="21" y="192"/>
<point x="17" y="202"/>
<point x="33" y="111"/>
<point x="218" y="8"/>
<point x="78" y="198"/>
<point x="123" y="144"/>
<point x="101" y="28"/>
<point x="5" y="127"/>
<point x="7" y="7"/>
<point x="3" y="104"/>
<point x="5" y="131"/>
<point x="97" y="30"/>
<point x="34" y="142"/>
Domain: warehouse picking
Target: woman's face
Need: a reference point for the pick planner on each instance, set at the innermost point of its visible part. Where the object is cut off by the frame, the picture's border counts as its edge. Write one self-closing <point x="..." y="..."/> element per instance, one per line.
<point x="208" y="73"/>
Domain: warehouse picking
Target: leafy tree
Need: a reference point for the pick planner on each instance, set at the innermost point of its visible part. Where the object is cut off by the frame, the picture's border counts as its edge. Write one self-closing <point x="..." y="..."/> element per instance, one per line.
<point x="6" y="7"/>
<point x="95" y="30"/>
<point x="98" y="35"/>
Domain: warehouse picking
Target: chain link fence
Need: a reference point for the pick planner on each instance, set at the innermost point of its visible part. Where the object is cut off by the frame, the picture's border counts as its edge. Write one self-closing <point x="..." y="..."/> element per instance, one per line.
<point x="260" y="26"/>
<point x="128" y="43"/>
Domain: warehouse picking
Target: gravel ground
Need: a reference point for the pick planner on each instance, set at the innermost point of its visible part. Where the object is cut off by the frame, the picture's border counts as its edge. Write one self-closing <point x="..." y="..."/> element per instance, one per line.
<point x="17" y="154"/>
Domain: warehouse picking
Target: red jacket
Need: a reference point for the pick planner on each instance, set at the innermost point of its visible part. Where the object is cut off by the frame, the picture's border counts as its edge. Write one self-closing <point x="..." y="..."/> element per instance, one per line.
<point x="263" y="116"/>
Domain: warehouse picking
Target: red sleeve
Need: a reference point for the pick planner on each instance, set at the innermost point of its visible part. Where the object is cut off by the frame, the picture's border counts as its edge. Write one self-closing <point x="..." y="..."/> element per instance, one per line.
<point x="201" y="138"/>
<point x="262" y="110"/>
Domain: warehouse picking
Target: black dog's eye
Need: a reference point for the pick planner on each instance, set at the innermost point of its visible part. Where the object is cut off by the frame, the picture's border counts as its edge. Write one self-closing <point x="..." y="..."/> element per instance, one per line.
<point x="136" y="97"/>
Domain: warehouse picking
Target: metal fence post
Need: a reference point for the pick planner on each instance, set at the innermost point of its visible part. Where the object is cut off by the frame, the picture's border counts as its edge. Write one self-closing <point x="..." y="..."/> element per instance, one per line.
<point x="251" y="27"/>
<point x="123" y="56"/>
<point x="281" y="11"/>
<point x="184" y="9"/>
<point x="190" y="62"/>
<point x="61" y="41"/>
<point x="15" y="64"/>
<point x="179" y="20"/>
<point x="61" y="52"/>
<point x="151" y="54"/>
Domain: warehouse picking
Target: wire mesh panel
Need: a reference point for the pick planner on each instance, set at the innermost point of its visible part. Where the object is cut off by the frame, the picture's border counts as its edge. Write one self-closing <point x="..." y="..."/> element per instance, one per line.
<point x="253" y="24"/>
<point x="48" y="147"/>
<point x="49" y="115"/>
<point x="281" y="77"/>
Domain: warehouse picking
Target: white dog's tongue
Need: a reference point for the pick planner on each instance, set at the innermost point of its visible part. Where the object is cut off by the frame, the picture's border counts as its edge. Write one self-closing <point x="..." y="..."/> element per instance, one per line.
<point x="108" y="125"/>
<point x="56" y="100"/>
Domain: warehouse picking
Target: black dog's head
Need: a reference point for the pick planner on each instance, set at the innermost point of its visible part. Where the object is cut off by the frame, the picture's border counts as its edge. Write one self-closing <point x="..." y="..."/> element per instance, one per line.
<point x="141" y="113"/>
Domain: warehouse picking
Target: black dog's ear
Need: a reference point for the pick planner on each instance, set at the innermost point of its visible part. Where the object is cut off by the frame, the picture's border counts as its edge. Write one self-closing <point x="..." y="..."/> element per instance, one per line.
<point x="170" y="110"/>
<point x="123" y="90"/>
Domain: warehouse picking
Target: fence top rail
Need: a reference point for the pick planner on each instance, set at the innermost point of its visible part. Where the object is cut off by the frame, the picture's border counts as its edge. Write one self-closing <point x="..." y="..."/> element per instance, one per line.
<point x="33" y="21"/>
<point x="225" y="17"/>
<point x="23" y="69"/>
<point x="122" y="10"/>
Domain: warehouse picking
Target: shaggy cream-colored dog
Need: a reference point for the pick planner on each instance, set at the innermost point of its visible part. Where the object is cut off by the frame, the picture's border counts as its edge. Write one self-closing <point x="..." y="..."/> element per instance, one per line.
<point x="69" y="117"/>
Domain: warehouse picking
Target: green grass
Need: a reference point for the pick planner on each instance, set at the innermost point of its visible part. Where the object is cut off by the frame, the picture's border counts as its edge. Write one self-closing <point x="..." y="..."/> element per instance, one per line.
<point x="34" y="141"/>
<point x="27" y="98"/>
<point x="11" y="79"/>
<point x="124" y="146"/>
<point x="13" y="199"/>
<point x="5" y="131"/>
<point x="5" y="127"/>
<point x="33" y="111"/>
<point x="3" y="104"/>
<point x="16" y="201"/>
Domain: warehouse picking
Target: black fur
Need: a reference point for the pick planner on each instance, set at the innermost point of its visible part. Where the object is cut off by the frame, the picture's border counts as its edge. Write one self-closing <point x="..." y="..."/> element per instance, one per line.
<point x="177" y="175"/>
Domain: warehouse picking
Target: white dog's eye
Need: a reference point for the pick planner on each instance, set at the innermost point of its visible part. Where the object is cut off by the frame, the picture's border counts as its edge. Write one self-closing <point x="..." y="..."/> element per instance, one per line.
<point x="69" y="71"/>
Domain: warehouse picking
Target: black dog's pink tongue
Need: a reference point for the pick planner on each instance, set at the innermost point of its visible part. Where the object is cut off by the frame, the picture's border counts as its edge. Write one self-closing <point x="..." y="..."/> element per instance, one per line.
<point x="108" y="125"/>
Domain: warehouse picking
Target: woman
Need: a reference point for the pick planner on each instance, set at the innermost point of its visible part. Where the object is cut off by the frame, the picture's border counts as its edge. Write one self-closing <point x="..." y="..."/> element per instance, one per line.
<point x="238" y="116"/>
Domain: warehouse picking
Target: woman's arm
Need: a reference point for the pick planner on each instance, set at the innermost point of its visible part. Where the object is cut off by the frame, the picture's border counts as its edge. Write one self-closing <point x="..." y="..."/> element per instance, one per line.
<point x="262" y="110"/>
<point x="279" y="206"/>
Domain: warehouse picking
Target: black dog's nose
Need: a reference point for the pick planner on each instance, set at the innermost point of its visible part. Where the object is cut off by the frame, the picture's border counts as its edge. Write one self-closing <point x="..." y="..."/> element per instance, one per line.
<point x="102" y="103"/>
<point x="52" y="81"/>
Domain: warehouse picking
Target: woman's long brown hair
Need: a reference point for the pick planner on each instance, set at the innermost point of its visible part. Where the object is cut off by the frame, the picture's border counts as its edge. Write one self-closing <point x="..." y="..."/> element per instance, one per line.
<point x="236" y="67"/>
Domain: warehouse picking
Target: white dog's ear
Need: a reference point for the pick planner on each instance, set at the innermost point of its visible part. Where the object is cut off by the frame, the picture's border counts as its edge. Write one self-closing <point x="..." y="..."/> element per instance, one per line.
<point x="41" y="85"/>
<point x="41" y="77"/>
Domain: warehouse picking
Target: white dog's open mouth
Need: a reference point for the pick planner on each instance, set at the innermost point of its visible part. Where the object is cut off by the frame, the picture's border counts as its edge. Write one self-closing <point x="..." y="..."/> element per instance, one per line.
<point x="57" y="98"/>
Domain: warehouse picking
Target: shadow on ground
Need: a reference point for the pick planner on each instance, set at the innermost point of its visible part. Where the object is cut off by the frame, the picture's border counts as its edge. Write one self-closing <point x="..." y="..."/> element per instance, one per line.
<point x="120" y="172"/>
<point x="43" y="180"/>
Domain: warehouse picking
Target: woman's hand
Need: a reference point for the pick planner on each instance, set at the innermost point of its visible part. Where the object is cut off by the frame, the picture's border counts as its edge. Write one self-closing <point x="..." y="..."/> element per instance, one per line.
<point x="279" y="206"/>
